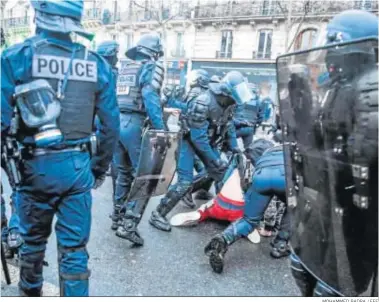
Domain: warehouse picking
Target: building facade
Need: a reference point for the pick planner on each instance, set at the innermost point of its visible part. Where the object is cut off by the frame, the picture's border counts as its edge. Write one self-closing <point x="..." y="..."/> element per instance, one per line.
<point x="216" y="35"/>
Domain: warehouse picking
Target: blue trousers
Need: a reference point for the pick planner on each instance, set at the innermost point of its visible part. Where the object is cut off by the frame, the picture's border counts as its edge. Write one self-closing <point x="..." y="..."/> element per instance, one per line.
<point x="247" y="135"/>
<point x="268" y="180"/>
<point x="56" y="185"/>
<point x="127" y="153"/>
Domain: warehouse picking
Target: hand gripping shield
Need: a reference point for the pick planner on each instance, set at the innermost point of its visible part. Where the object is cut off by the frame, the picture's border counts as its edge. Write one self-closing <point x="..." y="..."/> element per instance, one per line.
<point x="330" y="195"/>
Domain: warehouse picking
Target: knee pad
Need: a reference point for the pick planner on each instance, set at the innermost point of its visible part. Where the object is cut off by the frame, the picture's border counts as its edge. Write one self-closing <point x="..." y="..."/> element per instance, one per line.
<point x="73" y="277"/>
<point x="304" y="280"/>
<point x="323" y="290"/>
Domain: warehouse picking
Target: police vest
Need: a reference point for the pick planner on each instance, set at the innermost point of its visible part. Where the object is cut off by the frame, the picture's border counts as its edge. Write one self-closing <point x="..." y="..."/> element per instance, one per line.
<point x="51" y="62"/>
<point x="250" y="111"/>
<point x="128" y="91"/>
<point x="219" y="117"/>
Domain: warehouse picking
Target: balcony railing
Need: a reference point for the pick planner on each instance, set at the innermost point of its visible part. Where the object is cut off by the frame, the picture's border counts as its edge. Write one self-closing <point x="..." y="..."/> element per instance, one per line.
<point x="252" y="8"/>
<point x="261" y="55"/>
<point x="92" y="14"/>
<point x="223" y="54"/>
<point x="178" y="53"/>
<point x="16" y="22"/>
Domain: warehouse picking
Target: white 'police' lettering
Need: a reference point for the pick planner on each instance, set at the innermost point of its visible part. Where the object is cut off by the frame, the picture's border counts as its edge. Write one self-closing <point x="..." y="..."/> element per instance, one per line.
<point x="54" y="67"/>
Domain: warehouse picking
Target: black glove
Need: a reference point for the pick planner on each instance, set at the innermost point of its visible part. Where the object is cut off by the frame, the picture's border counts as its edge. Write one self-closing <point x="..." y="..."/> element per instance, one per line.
<point x="217" y="169"/>
<point x="99" y="180"/>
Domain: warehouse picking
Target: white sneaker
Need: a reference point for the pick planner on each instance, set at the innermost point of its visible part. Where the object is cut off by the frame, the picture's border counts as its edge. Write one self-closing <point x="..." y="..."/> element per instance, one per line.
<point x="254" y="236"/>
<point x="185" y="219"/>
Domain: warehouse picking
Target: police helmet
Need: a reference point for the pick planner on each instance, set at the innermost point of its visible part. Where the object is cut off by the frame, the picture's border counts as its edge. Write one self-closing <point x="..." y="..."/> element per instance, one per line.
<point x="66" y="8"/>
<point x="347" y="26"/>
<point x="109" y="50"/>
<point x="215" y="79"/>
<point x="351" y="25"/>
<point x="149" y="46"/>
<point x="198" y="77"/>
<point x="233" y="84"/>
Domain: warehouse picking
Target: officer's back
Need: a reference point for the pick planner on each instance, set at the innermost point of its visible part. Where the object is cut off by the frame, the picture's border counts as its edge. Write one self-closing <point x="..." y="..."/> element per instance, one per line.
<point x="58" y="86"/>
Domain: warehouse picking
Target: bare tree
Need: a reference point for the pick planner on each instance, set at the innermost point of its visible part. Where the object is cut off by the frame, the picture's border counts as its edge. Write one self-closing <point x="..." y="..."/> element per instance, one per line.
<point x="161" y="12"/>
<point x="297" y="11"/>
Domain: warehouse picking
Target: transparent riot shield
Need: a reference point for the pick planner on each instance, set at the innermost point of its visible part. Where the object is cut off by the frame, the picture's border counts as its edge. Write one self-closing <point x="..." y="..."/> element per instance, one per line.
<point x="329" y="113"/>
<point x="157" y="164"/>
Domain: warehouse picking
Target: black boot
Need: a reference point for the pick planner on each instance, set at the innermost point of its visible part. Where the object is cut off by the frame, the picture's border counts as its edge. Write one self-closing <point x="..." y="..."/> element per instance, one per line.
<point x="128" y="230"/>
<point x="280" y="246"/>
<point x="158" y="217"/>
<point x="216" y="250"/>
<point x="204" y="195"/>
<point x="280" y="249"/>
<point x="188" y="201"/>
<point x="29" y="292"/>
<point x="217" y="247"/>
<point x="116" y="217"/>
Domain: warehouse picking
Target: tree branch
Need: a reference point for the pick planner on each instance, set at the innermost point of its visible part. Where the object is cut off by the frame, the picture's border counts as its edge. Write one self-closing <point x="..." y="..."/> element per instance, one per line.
<point x="306" y="11"/>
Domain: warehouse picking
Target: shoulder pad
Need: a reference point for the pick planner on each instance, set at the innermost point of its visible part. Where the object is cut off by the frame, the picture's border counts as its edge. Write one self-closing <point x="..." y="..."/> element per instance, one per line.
<point x="194" y="92"/>
<point x="19" y="47"/>
<point x="203" y="99"/>
<point x="198" y="110"/>
<point x="152" y="73"/>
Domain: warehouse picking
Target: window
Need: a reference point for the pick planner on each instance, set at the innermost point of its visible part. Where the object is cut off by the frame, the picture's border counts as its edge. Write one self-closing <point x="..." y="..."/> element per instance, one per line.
<point x="179" y="44"/>
<point x="129" y="41"/>
<point x="268" y="7"/>
<point x="306" y="39"/>
<point x="226" y="44"/>
<point x="264" y="44"/>
<point x="363" y="4"/>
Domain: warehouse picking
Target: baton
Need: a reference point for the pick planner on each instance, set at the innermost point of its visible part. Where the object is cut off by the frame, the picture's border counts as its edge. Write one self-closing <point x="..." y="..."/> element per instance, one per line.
<point x="4" y="264"/>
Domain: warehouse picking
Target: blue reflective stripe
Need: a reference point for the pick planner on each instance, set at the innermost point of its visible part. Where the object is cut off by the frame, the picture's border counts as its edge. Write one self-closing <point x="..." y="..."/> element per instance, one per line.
<point x="228" y="206"/>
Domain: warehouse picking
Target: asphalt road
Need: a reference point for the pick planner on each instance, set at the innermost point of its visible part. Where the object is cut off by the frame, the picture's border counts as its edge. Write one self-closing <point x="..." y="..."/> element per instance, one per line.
<point x="169" y="264"/>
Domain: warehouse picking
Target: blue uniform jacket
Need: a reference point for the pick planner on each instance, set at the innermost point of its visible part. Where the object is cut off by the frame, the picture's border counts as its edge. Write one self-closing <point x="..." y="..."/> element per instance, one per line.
<point x="16" y="68"/>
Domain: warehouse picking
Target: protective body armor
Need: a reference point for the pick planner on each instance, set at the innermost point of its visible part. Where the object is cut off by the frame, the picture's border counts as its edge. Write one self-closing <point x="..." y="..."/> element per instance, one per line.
<point x="248" y="111"/>
<point x="133" y="76"/>
<point x="50" y="62"/>
<point x="330" y="134"/>
<point x="217" y="114"/>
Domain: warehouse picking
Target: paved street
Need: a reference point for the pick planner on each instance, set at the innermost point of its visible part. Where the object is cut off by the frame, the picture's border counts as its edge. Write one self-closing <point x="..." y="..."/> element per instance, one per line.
<point x="170" y="264"/>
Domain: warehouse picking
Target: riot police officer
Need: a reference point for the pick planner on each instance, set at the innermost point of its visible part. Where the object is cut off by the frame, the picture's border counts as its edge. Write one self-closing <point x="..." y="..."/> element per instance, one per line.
<point x="198" y="81"/>
<point x="138" y="102"/>
<point x="329" y="112"/>
<point x="109" y="51"/>
<point x="58" y="86"/>
<point x="268" y="180"/>
<point x="209" y="120"/>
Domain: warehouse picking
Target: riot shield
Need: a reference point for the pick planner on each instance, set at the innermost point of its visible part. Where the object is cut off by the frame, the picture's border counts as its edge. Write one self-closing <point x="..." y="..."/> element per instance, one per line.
<point x="328" y="108"/>
<point x="157" y="164"/>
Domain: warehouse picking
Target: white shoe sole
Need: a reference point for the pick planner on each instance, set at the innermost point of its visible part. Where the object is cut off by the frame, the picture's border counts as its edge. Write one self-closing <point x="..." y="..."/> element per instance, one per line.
<point x="254" y="236"/>
<point x="185" y="219"/>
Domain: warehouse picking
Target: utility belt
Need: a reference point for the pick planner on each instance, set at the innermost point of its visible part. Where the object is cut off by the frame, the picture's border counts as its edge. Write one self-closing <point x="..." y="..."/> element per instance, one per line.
<point x="29" y="152"/>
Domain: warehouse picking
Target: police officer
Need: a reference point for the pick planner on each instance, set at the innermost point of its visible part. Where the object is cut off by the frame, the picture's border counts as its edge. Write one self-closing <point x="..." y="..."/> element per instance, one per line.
<point x="140" y="101"/>
<point x="333" y="159"/>
<point x="209" y="120"/>
<point x="247" y="117"/>
<point x="73" y="83"/>
<point x="109" y="51"/>
<point x="268" y="180"/>
<point x="198" y="81"/>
